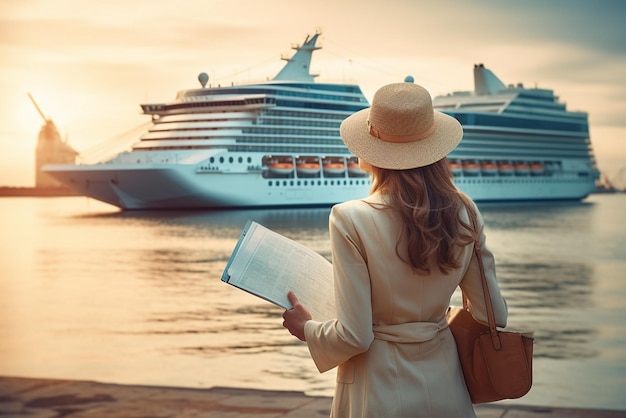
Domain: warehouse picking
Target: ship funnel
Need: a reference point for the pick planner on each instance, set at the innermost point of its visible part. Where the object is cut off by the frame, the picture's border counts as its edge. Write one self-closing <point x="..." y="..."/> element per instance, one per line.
<point x="486" y="82"/>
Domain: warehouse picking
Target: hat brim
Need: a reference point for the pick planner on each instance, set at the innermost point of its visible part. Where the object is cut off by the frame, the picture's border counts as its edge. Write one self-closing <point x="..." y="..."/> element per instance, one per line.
<point x="447" y="134"/>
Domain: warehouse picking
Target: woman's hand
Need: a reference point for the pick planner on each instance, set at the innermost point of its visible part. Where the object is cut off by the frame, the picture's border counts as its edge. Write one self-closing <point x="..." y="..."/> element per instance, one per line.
<point x="296" y="317"/>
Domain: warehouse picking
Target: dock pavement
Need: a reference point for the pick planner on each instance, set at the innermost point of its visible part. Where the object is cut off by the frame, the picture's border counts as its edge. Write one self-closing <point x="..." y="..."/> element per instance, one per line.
<point x="54" y="398"/>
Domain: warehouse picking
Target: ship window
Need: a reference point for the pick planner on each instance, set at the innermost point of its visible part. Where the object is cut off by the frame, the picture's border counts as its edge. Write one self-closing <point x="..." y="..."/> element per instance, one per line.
<point x="291" y="183"/>
<point x="270" y="183"/>
<point x="221" y="159"/>
<point x="240" y="159"/>
<point x="212" y="159"/>
<point x="284" y="182"/>
<point x="249" y="159"/>
<point x="230" y="160"/>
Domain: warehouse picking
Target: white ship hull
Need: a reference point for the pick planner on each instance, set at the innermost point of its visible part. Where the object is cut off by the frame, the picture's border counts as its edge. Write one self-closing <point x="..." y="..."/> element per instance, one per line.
<point x="179" y="186"/>
<point x="515" y="189"/>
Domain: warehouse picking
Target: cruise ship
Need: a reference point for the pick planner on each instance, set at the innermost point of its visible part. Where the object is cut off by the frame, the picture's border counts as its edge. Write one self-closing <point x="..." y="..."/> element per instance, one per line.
<point x="518" y="143"/>
<point x="277" y="144"/>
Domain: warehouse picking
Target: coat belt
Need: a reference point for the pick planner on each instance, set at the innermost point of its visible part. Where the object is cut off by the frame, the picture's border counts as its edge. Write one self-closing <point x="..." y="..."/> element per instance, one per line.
<point x="409" y="332"/>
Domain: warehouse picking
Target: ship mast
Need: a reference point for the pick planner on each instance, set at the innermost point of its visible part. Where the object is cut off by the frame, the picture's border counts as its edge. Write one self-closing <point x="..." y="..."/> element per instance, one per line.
<point x="297" y="67"/>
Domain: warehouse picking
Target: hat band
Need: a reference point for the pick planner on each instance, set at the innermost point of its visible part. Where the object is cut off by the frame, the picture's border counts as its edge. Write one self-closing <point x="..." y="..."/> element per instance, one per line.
<point x="399" y="138"/>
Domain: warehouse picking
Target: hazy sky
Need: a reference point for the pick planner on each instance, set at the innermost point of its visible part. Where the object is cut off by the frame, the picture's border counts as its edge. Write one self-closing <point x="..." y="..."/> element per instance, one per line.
<point x="89" y="64"/>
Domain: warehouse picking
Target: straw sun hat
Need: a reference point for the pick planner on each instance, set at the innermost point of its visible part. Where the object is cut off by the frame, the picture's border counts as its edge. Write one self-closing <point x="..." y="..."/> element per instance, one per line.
<point x="401" y="130"/>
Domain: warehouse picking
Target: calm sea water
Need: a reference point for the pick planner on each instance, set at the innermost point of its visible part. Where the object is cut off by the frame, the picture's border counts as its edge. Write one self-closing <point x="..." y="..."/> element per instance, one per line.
<point x="89" y="292"/>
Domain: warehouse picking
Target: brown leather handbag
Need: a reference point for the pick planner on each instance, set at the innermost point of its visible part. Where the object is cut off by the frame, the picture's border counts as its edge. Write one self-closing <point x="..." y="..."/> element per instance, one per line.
<point x="496" y="363"/>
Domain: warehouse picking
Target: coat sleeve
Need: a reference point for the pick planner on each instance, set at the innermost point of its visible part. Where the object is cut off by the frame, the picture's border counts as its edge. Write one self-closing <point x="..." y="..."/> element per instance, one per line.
<point x="471" y="284"/>
<point x="335" y="341"/>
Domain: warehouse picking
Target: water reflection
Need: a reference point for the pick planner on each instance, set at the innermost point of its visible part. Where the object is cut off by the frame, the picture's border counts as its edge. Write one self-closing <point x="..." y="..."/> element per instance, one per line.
<point x="540" y="294"/>
<point x="546" y="288"/>
<point x="107" y="295"/>
<point x="550" y="215"/>
<point x="542" y="297"/>
<point x="227" y="223"/>
<point x="531" y="285"/>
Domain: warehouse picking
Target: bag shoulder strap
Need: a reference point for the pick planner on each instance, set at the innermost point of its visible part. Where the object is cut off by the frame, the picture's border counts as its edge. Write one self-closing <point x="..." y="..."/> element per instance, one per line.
<point x="495" y="339"/>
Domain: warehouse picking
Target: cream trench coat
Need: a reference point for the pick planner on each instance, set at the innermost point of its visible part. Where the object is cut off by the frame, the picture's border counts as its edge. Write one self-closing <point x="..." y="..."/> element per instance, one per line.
<point x="396" y="355"/>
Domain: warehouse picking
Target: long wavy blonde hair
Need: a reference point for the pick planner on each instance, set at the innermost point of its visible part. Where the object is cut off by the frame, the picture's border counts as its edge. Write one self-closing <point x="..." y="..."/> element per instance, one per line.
<point x="429" y="205"/>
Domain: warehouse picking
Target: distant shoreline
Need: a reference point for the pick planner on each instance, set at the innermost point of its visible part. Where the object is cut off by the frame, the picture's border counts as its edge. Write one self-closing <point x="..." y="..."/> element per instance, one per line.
<point x="9" y="191"/>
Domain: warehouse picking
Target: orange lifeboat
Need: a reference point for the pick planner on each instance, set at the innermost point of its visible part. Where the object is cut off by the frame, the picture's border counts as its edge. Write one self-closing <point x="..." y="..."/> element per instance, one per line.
<point x="505" y="168"/>
<point x="471" y="168"/>
<point x="307" y="166"/>
<point x="489" y="168"/>
<point x="280" y="168"/>
<point x="521" y="167"/>
<point x="333" y="166"/>
<point x="536" y="168"/>
<point x="455" y="167"/>
<point x="353" y="168"/>
<point x="281" y="165"/>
